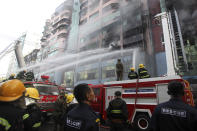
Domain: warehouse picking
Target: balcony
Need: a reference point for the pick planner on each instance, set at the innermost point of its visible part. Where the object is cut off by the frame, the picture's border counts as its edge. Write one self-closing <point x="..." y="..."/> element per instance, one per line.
<point x="63" y="18"/>
<point x="62" y="34"/>
<point x="62" y="23"/>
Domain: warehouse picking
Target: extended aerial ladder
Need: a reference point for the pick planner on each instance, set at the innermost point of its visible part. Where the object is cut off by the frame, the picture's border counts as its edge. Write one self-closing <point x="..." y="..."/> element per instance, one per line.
<point x="173" y="41"/>
<point x="15" y="46"/>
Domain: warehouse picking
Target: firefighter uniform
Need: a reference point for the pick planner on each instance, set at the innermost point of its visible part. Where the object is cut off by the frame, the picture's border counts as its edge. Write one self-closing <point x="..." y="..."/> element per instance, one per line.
<point x="60" y="110"/>
<point x="119" y="70"/>
<point x="33" y="114"/>
<point x="11" y="103"/>
<point x="142" y="72"/>
<point x="12" y="76"/>
<point x="32" y="118"/>
<point x="81" y="118"/>
<point x="132" y="74"/>
<point x="29" y="76"/>
<point x="174" y="115"/>
<point x="21" y="75"/>
<point x="117" y="113"/>
<point x="11" y="118"/>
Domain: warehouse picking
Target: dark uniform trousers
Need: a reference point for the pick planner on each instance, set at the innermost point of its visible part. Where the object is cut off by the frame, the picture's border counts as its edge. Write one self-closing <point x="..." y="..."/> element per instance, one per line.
<point x="81" y="118"/>
<point x="32" y="118"/>
<point x="117" y="113"/>
<point x="174" y="115"/>
<point x="11" y="118"/>
<point x="119" y="71"/>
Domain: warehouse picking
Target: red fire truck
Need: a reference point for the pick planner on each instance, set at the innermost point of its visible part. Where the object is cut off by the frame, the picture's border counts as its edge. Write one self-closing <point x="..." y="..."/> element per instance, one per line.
<point x="48" y="94"/>
<point x="141" y="96"/>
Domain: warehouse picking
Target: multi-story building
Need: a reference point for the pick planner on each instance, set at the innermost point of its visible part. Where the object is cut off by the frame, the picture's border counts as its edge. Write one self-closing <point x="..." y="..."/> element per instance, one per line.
<point x="125" y="28"/>
<point x="56" y="31"/>
<point x="54" y="41"/>
<point x="116" y="25"/>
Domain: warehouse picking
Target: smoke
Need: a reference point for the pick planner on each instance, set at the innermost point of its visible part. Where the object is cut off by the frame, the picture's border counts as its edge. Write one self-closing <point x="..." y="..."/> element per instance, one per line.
<point x="187" y="11"/>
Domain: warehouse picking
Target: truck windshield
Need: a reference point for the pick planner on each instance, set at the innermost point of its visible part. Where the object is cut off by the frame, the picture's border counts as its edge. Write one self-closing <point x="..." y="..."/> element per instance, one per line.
<point x="46" y="89"/>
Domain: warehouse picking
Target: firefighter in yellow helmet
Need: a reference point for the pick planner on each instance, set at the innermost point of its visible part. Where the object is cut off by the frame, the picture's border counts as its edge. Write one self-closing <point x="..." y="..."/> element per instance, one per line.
<point x="132" y="74"/>
<point x="12" y="104"/>
<point x="69" y="98"/>
<point x="71" y="102"/>
<point x="12" y="76"/>
<point x="33" y="122"/>
<point x="142" y="72"/>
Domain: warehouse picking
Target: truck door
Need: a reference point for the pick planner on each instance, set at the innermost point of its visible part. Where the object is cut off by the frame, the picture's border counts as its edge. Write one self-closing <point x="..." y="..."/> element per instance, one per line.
<point x="162" y="95"/>
<point x="110" y="94"/>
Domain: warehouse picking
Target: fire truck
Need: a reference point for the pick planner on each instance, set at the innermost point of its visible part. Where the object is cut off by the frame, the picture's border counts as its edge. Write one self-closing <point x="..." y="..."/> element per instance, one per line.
<point x="48" y="94"/>
<point x="141" y="96"/>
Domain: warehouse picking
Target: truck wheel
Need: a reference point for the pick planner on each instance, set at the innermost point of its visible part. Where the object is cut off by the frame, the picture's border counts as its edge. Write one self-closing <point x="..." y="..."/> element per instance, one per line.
<point x="142" y="122"/>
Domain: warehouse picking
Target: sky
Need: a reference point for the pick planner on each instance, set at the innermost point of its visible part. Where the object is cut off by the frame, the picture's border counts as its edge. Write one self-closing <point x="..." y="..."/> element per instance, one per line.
<point x="19" y="16"/>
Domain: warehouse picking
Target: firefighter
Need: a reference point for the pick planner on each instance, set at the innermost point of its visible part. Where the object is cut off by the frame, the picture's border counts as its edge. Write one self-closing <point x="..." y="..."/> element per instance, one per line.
<point x="174" y="115"/>
<point x="142" y="72"/>
<point x="119" y="70"/>
<point x="71" y="102"/>
<point x="117" y="113"/>
<point x="12" y="104"/>
<point x="12" y="76"/>
<point x="29" y="76"/>
<point x="33" y="122"/>
<point x="82" y="117"/>
<point x="21" y="75"/>
<point x="60" y="110"/>
<point x="132" y="74"/>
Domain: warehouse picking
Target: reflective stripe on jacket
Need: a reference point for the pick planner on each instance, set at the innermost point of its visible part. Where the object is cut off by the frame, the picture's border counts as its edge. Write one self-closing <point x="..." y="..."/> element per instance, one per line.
<point x="5" y="123"/>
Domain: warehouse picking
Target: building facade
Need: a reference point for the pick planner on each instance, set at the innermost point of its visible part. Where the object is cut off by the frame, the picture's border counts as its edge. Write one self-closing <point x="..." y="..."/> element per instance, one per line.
<point x="122" y="27"/>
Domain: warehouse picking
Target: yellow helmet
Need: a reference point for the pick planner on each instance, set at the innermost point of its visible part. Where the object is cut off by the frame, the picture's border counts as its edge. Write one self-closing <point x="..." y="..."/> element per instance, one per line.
<point x="32" y="93"/>
<point x="69" y="98"/>
<point x="141" y="65"/>
<point x="11" y="90"/>
<point x="12" y="74"/>
<point x="132" y="69"/>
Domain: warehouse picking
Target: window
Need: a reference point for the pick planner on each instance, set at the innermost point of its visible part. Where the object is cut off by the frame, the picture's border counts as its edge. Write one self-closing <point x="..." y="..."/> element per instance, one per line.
<point x="108" y="72"/>
<point x="69" y="78"/>
<point x="88" y="75"/>
<point x="112" y="6"/>
<point x="108" y="69"/>
<point x="47" y="89"/>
